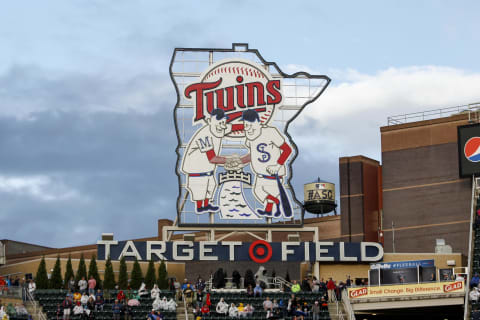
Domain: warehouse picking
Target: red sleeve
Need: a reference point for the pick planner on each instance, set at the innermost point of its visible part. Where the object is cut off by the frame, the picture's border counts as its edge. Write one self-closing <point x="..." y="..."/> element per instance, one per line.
<point x="210" y="154"/>
<point x="237" y="127"/>
<point x="286" y="151"/>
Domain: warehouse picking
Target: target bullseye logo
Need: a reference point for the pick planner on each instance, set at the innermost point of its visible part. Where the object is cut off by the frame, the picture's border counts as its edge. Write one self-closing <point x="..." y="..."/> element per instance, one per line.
<point x="260" y="251"/>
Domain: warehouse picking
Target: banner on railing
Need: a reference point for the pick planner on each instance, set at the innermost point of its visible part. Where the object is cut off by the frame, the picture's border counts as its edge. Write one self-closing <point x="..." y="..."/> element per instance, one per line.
<point x="406" y="290"/>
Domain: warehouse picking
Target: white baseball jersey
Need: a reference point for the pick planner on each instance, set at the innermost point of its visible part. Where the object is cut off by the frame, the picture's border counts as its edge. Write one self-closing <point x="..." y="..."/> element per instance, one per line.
<point x="265" y="150"/>
<point x="195" y="158"/>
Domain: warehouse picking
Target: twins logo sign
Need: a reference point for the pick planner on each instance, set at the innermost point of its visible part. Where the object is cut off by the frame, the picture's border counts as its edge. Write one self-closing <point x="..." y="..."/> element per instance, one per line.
<point x="234" y="151"/>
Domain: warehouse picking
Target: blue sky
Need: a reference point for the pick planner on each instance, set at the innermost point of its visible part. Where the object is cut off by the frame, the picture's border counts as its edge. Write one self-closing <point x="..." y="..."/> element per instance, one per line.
<point x="86" y="137"/>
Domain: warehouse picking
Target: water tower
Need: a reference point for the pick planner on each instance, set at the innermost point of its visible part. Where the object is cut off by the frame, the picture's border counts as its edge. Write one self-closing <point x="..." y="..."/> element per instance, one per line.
<point x="319" y="197"/>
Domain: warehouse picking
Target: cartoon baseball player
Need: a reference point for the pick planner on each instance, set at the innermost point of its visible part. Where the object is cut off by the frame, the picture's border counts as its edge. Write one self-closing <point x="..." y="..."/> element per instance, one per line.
<point x="201" y="158"/>
<point x="268" y="154"/>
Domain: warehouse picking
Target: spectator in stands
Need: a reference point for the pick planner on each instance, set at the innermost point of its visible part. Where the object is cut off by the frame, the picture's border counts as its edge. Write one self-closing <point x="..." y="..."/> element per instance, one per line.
<point x="316" y="311"/>
<point x="78" y="309"/>
<point x="348" y="282"/>
<point x="121" y="296"/>
<point x="99" y="303"/>
<point x="248" y="310"/>
<point x="152" y="315"/>
<point x="11" y="310"/>
<point x="59" y="311"/>
<point x="143" y="290"/>
<point x="240" y="309"/>
<point x="91" y="304"/>
<point x="477" y="219"/>
<point x="163" y="303"/>
<point x="233" y="311"/>
<point x="133" y="299"/>
<point x="84" y="299"/>
<point x="222" y="307"/>
<point x="77" y="297"/>
<point x="99" y="293"/>
<point x="208" y="301"/>
<point x="20" y="309"/>
<point x="117" y="309"/>
<point x="66" y="305"/>
<point x="199" y="298"/>
<point x="3" y="313"/>
<point x="295" y="287"/>
<point x="257" y="291"/>
<point x="475" y="280"/>
<point x="200" y="285"/>
<point x="306" y="285"/>
<point x="331" y="290"/>
<point x="197" y="312"/>
<point x="92" y="283"/>
<point x="188" y="294"/>
<point x="267" y="304"/>
<point x="128" y="311"/>
<point x="32" y="287"/>
<point x="71" y="284"/>
<point x="474" y="294"/>
<point x="82" y="285"/>
<point x="205" y="310"/>
<point x="250" y="292"/>
<point x="177" y="286"/>
<point x="155" y="292"/>
<point x="171" y="305"/>
<point x="315" y="285"/>
<point x="157" y="303"/>
<point x="324" y="304"/>
<point x="299" y="314"/>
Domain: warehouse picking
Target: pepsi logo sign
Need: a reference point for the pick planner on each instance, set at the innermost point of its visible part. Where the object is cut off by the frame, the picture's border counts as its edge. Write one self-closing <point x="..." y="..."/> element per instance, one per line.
<point x="472" y="149"/>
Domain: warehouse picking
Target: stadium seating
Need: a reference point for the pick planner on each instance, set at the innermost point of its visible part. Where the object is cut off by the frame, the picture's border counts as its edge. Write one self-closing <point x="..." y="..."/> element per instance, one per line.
<point x="257" y="303"/>
<point x="50" y="299"/>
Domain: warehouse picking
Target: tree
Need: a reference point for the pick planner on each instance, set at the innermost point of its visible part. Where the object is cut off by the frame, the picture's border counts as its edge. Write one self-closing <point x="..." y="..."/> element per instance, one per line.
<point x="249" y="280"/>
<point x="109" y="276"/>
<point x="41" y="278"/>
<point x="82" y="270"/>
<point x="136" y="277"/>
<point x="56" y="277"/>
<point x="123" y="276"/>
<point x="69" y="272"/>
<point x="93" y="270"/>
<point x="150" y="277"/>
<point x="162" y="279"/>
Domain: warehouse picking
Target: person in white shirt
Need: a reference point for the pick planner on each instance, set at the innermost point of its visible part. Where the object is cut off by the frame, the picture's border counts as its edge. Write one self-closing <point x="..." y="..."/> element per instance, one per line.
<point x="157" y="303"/>
<point x="82" y="285"/>
<point x="78" y="309"/>
<point x="142" y="291"/>
<point x="233" y="311"/>
<point x="222" y="307"/>
<point x="84" y="299"/>
<point x="155" y="292"/>
<point x="474" y="294"/>
<point x="163" y="303"/>
<point x="32" y="287"/>
<point x="171" y="305"/>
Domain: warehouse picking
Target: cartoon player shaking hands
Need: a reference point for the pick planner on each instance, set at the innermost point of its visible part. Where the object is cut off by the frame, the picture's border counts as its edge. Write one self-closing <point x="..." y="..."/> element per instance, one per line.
<point x="201" y="158"/>
<point x="268" y="154"/>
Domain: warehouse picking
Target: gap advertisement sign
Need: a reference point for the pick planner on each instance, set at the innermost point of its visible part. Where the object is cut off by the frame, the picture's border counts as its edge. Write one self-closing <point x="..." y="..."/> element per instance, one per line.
<point x="406" y="290"/>
<point x="234" y="153"/>
<point x="259" y="251"/>
<point x="469" y="150"/>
